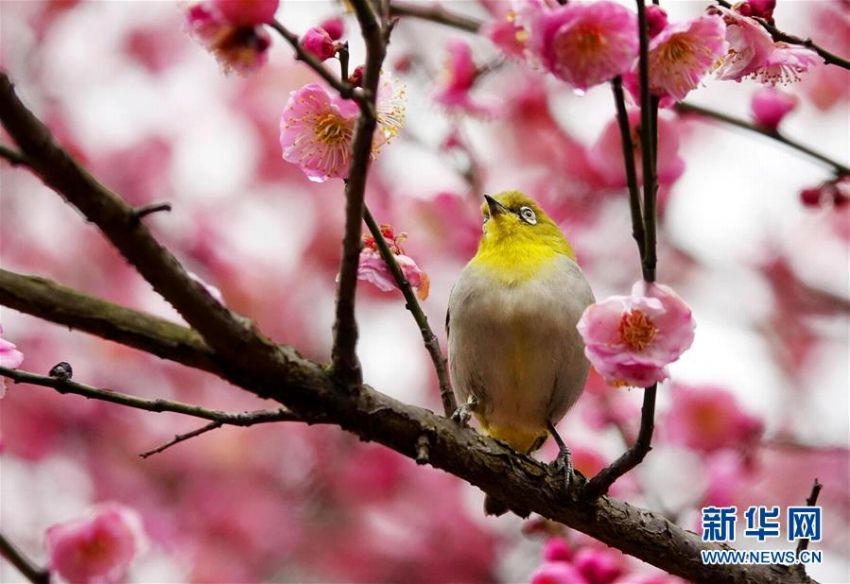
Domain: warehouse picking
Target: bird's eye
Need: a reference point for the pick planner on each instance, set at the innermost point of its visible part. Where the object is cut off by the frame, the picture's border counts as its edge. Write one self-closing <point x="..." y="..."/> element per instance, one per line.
<point x="527" y="215"/>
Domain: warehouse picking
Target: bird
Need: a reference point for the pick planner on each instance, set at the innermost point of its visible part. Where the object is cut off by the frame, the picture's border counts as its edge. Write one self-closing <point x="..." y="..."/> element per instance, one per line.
<point x="516" y="359"/>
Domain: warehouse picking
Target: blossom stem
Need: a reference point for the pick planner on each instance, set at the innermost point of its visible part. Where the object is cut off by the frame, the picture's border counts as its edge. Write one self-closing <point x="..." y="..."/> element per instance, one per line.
<point x="631" y="172"/>
<point x="599" y="484"/>
<point x="345" y="364"/>
<point x="344" y="88"/>
<point x="435" y="13"/>
<point x="778" y="35"/>
<point x="688" y="108"/>
<point x="432" y="344"/>
<point x="15" y="557"/>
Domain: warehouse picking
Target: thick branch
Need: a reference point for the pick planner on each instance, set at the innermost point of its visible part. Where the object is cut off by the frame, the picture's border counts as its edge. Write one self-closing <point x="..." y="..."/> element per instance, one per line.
<point x="688" y="108"/>
<point x="119" y="223"/>
<point x="435" y="13"/>
<point x="310" y="393"/>
<point x="56" y="303"/>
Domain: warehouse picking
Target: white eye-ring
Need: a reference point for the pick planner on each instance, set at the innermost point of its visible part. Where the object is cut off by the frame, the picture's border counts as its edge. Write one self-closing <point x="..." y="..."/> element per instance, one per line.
<point x="527" y="215"/>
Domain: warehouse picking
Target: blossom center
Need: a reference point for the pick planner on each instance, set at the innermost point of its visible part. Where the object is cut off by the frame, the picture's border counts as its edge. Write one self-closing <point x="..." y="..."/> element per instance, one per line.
<point x="331" y="130"/>
<point x="637" y="330"/>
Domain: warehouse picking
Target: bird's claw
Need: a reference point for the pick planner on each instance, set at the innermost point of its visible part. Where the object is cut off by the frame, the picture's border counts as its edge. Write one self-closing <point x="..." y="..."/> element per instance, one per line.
<point x="462" y="415"/>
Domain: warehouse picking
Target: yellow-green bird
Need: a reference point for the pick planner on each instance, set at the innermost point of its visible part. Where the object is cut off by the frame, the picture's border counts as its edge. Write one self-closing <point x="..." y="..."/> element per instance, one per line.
<point x="515" y="357"/>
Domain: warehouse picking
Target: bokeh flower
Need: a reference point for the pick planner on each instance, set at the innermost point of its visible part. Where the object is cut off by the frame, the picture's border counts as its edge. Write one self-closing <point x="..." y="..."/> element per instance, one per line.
<point x="585" y="43"/>
<point x="769" y="107"/>
<point x="458" y="78"/>
<point x="232" y="31"/>
<point x="630" y="340"/>
<point x="10" y="357"/>
<point x="708" y="419"/>
<point x="97" y="548"/>
<point x="373" y="269"/>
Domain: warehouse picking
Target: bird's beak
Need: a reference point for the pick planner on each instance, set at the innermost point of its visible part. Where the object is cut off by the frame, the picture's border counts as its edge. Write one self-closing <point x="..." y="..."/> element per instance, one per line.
<point x="496" y="208"/>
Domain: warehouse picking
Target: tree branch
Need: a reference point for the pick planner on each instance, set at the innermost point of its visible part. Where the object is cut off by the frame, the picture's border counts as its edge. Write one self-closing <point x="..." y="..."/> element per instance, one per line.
<point x="13" y="157"/>
<point x="432" y="345"/>
<point x="15" y="557"/>
<point x="53" y="302"/>
<point x="688" y="108"/>
<point x="435" y="13"/>
<point x="631" y="172"/>
<point x="310" y="393"/>
<point x="345" y="364"/>
<point x="118" y="222"/>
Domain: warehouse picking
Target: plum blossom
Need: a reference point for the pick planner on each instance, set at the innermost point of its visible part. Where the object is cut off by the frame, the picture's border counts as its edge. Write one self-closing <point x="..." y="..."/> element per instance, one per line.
<point x="770" y="106"/>
<point x="681" y="54"/>
<point x="630" y="340"/>
<point x="232" y="31"/>
<point x="585" y="43"/>
<point x="835" y="192"/>
<point x="374" y="269"/>
<point x="459" y="76"/>
<point x="752" y="53"/>
<point x="709" y="418"/>
<point x="97" y="548"/>
<point x="317" y="128"/>
<point x="10" y="357"/>
<point x="318" y="42"/>
<point x="334" y="26"/>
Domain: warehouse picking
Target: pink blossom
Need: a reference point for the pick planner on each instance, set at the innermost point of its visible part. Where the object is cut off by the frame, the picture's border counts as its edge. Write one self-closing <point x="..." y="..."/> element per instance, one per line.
<point x="231" y="30"/>
<point x="835" y="192"/>
<point x="558" y="573"/>
<point x="630" y="340"/>
<point x="374" y="269"/>
<point x="770" y="106"/>
<point x="599" y="566"/>
<point x="752" y="53"/>
<point x="316" y="131"/>
<point x="681" y="55"/>
<point x="10" y="357"/>
<point x="334" y="26"/>
<point x="459" y="76"/>
<point x="606" y="155"/>
<point x="656" y="20"/>
<point x="557" y="549"/>
<point x="318" y="42"/>
<point x="585" y="43"/>
<point x="785" y="64"/>
<point x="749" y="46"/>
<point x="709" y="418"/>
<point x="97" y="548"/>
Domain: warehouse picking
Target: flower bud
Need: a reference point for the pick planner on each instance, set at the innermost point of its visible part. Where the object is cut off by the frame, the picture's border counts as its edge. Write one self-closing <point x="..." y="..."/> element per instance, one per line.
<point x="318" y="42"/>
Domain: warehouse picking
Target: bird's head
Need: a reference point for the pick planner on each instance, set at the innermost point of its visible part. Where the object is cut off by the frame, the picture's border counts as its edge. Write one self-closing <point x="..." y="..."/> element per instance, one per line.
<point x="511" y="219"/>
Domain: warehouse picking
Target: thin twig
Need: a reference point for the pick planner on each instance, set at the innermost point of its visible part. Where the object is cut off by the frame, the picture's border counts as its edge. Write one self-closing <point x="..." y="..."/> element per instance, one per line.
<point x="631" y="172"/>
<point x="599" y="485"/>
<point x="344" y="88"/>
<point x="688" y="108"/>
<point x="182" y="438"/>
<point x="345" y="364"/>
<point x="432" y="344"/>
<point x="784" y="37"/>
<point x="811" y="501"/>
<point x="15" y="557"/>
<point x="13" y="157"/>
<point x="151" y="405"/>
<point x="145" y="210"/>
<point x="435" y="13"/>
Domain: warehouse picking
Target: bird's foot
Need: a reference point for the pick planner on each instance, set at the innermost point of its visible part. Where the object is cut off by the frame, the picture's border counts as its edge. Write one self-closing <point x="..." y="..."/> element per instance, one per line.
<point x="564" y="462"/>
<point x="464" y="412"/>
